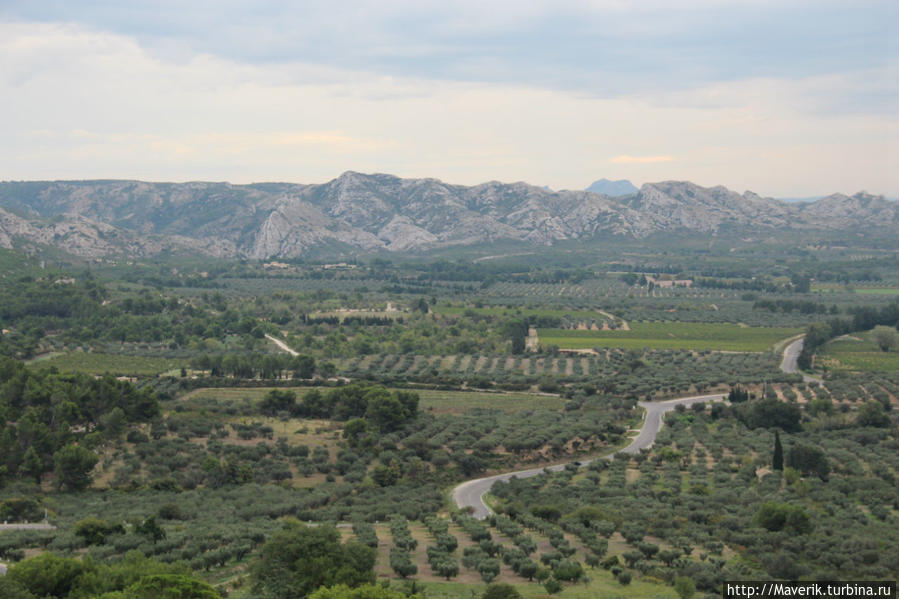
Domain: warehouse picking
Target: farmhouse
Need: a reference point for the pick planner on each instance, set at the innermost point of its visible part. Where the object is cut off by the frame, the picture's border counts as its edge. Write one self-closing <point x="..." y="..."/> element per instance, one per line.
<point x="670" y="282"/>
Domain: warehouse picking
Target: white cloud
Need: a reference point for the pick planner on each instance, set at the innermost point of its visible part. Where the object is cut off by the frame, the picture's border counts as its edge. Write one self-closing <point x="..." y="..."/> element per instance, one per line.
<point x="84" y="104"/>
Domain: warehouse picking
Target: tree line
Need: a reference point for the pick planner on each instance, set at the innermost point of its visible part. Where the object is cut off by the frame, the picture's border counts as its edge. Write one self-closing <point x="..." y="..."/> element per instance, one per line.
<point x="255" y="365"/>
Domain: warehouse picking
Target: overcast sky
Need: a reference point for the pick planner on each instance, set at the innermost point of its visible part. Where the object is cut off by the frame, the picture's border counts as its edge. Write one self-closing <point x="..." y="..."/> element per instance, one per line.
<point x="784" y="98"/>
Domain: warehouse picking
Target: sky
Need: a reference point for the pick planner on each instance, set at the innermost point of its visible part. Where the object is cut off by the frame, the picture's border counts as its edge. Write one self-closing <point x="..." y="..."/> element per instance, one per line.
<point x="784" y="98"/>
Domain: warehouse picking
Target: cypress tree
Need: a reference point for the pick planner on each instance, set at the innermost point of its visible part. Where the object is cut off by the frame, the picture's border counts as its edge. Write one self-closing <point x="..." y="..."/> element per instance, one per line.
<point x="777" y="463"/>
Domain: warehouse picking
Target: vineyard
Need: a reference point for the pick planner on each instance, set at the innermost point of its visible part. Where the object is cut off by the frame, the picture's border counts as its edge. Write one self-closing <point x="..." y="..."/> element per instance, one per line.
<point x="117" y="364"/>
<point x="859" y="353"/>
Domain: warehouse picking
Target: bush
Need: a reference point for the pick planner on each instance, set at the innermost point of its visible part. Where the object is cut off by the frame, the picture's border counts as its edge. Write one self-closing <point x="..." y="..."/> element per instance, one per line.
<point x="94" y="530"/>
<point x="568" y="570"/>
<point x="170" y="511"/>
<point x="18" y="509"/>
<point x="809" y="460"/>
<point x="781" y="516"/>
<point x="684" y="587"/>
<point x="137" y="437"/>
<point x="501" y="590"/>
<point x="401" y="563"/>
<point x="552" y="586"/>
<point x="488" y="569"/>
<point x="303" y="559"/>
<point x="610" y="562"/>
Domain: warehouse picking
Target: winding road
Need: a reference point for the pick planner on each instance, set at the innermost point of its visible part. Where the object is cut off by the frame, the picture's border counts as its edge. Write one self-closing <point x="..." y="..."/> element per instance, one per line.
<point x="471" y="493"/>
<point x="791" y="356"/>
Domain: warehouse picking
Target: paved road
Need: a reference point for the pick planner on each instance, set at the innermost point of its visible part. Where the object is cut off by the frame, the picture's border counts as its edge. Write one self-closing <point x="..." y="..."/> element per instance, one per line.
<point x="789" y="362"/>
<point x="471" y="493"/>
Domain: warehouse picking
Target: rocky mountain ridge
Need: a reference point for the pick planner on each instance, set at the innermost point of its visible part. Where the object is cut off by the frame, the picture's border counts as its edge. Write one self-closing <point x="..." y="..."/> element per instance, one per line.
<point x="384" y="212"/>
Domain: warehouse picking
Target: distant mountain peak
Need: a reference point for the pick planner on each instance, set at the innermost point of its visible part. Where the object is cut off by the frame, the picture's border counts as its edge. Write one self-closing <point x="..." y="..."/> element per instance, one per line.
<point x="614" y="189"/>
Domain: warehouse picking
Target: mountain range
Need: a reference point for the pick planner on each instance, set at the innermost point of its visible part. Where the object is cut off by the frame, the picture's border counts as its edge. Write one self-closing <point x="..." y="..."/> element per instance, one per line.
<point x="614" y="189"/>
<point x="381" y="212"/>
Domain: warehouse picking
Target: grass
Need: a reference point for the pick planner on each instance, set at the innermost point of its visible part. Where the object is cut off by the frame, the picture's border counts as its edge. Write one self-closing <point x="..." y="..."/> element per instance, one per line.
<point x="879" y="291"/>
<point x="447" y="402"/>
<point x="858" y="352"/>
<point x="119" y="365"/>
<point x="672" y="335"/>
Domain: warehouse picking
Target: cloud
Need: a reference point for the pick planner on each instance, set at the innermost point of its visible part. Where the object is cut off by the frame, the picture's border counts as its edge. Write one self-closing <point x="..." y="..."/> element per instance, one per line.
<point x="606" y="48"/>
<point x="94" y="104"/>
<point x="625" y="159"/>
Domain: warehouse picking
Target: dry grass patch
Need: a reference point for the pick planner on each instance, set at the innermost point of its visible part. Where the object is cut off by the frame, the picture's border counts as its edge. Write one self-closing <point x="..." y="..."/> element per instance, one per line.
<point x="631" y="475"/>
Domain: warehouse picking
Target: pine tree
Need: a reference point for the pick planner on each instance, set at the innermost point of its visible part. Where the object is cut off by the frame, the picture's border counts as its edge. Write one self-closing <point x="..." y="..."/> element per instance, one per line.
<point x="32" y="465"/>
<point x="777" y="463"/>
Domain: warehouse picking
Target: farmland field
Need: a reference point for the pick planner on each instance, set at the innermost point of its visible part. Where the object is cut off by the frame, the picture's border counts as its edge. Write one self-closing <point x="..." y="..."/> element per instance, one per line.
<point x="672" y="335"/>
<point x="575" y="314"/>
<point x="858" y="352"/>
<point x="880" y="291"/>
<point x="120" y="365"/>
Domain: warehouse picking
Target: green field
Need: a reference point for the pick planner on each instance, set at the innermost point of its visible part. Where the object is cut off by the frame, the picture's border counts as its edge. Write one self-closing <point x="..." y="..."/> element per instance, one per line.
<point x="859" y="352"/>
<point x="672" y="335"/>
<point x="880" y="291"/>
<point x="431" y="400"/>
<point x="119" y="365"/>
<point x="529" y="312"/>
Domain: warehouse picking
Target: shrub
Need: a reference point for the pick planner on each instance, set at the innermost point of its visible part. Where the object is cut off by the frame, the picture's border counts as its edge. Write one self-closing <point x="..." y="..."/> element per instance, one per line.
<point x="500" y="590"/>
<point x="552" y="586"/>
